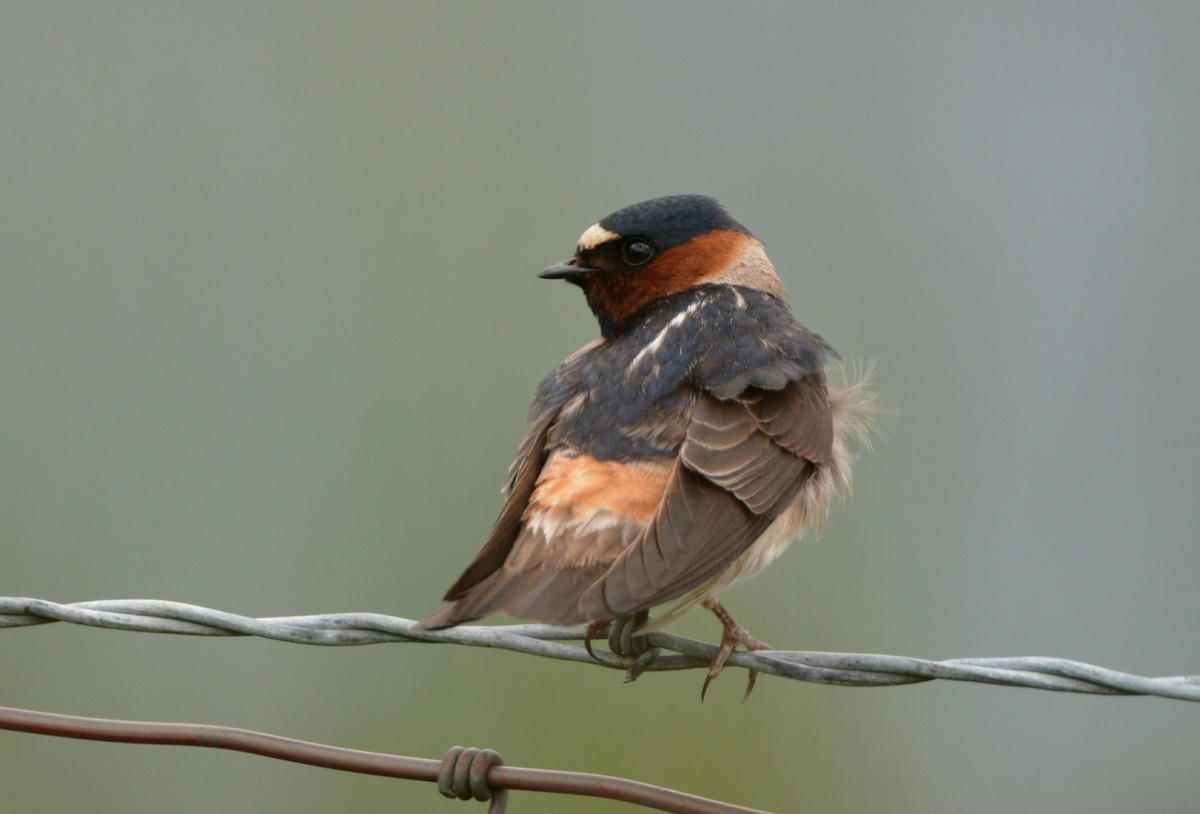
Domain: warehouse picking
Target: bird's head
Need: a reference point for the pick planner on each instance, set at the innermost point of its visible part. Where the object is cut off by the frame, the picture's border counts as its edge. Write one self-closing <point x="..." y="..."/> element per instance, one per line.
<point x="658" y="247"/>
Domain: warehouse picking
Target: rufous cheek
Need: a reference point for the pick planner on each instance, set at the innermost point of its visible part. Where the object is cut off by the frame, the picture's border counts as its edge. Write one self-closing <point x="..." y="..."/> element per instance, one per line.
<point x="679" y="268"/>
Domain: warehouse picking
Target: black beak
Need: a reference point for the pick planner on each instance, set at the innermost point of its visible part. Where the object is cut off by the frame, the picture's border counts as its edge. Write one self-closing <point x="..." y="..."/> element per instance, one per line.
<point x="567" y="270"/>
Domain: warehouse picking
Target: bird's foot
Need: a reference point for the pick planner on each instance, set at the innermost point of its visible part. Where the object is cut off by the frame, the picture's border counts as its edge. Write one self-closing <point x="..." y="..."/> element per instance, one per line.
<point x="622" y="641"/>
<point x="621" y="638"/>
<point x="732" y="635"/>
<point x="642" y="664"/>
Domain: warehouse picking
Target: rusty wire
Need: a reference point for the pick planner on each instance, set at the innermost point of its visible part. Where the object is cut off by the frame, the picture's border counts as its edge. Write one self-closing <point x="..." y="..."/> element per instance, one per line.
<point x="846" y="669"/>
<point x="495" y="776"/>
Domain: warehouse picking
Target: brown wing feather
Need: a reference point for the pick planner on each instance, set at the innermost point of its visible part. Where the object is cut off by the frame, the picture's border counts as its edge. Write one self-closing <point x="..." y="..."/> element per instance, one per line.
<point x="544" y="576"/>
<point x="578" y="517"/>
<point x="742" y="464"/>
<point x="797" y="418"/>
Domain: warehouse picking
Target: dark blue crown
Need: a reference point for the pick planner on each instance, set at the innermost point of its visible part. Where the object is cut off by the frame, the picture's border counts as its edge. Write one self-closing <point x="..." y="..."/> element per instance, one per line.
<point x="672" y="220"/>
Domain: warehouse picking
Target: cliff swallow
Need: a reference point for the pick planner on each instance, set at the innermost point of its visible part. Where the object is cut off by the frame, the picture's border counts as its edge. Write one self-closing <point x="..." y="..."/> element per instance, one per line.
<point x="681" y="452"/>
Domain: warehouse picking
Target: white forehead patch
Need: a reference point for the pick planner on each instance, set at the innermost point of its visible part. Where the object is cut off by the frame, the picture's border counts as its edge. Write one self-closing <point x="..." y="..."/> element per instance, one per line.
<point x="595" y="236"/>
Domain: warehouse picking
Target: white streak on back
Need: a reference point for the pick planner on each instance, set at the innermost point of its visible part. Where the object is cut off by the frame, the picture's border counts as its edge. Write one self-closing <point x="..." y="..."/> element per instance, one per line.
<point x="657" y="342"/>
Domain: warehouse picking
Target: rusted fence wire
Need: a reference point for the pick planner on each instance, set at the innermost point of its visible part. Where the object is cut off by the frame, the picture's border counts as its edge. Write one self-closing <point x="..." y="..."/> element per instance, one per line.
<point x="451" y="773"/>
<point x="679" y="653"/>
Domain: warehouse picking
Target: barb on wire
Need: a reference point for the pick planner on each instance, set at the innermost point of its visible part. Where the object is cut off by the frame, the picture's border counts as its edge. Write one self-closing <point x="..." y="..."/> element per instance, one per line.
<point x="846" y="669"/>
<point x="494" y="776"/>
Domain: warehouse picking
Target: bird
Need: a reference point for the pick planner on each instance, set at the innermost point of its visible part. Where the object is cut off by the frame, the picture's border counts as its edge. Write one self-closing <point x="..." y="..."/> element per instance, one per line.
<point x="680" y="452"/>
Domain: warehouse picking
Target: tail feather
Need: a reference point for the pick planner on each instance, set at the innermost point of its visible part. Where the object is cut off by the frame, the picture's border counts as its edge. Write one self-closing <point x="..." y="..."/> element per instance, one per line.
<point x="544" y="596"/>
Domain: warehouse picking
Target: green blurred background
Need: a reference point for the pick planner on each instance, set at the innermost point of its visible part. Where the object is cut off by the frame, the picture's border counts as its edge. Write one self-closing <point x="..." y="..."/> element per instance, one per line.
<point x="269" y="323"/>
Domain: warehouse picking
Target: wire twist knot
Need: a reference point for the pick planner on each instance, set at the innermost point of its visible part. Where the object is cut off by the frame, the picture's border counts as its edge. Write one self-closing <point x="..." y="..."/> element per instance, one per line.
<point x="463" y="774"/>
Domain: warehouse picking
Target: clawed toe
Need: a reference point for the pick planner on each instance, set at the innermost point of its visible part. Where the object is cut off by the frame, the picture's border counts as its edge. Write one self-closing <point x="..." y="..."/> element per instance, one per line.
<point x="593" y="630"/>
<point x="643" y="663"/>
<point x="621" y="635"/>
<point x="732" y="635"/>
<point x="622" y="638"/>
<point x="624" y="641"/>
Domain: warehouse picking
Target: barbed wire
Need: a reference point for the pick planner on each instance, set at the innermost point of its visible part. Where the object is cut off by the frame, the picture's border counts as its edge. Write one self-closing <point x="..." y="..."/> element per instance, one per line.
<point x="677" y="652"/>
<point x="463" y="773"/>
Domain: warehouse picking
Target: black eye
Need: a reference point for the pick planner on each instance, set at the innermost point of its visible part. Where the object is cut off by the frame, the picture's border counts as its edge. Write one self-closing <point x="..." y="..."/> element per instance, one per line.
<point x="636" y="251"/>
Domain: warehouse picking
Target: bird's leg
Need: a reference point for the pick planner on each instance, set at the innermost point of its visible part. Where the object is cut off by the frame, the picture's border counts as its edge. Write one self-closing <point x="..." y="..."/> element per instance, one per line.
<point x="733" y="635"/>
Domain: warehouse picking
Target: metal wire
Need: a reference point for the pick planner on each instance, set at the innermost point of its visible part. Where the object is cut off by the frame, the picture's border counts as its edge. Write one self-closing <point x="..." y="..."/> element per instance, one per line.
<point x="846" y="669"/>
<point x="464" y="774"/>
<point x="482" y="778"/>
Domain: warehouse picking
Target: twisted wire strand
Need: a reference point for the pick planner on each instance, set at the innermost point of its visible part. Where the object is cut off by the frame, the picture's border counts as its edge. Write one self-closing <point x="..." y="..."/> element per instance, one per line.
<point x="844" y="669"/>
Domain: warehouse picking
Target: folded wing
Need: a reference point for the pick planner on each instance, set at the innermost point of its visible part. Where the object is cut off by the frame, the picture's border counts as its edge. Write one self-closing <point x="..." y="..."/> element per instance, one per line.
<point x="742" y="463"/>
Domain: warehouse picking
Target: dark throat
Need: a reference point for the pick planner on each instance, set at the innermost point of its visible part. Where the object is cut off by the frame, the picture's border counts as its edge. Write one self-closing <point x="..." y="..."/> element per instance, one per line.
<point x="600" y="301"/>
